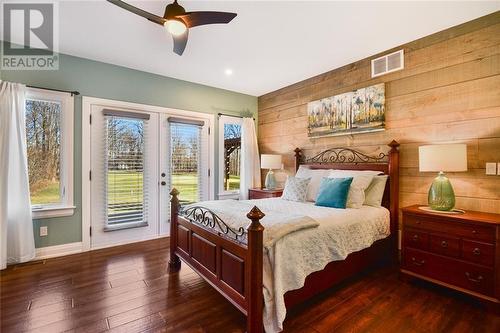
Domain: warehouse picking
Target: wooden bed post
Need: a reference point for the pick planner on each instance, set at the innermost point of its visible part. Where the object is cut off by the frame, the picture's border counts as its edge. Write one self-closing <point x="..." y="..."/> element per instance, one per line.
<point x="174" y="264"/>
<point x="255" y="265"/>
<point x="297" y="158"/>
<point x="394" y="193"/>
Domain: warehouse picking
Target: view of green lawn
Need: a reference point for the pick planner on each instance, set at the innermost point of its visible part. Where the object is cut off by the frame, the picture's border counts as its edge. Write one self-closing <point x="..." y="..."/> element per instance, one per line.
<point x="46" y="195"/>
<point x="186" y="184"/>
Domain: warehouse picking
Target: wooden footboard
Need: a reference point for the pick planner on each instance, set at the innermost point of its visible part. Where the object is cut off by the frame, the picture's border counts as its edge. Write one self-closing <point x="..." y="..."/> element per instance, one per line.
<point x="206" y="244"/>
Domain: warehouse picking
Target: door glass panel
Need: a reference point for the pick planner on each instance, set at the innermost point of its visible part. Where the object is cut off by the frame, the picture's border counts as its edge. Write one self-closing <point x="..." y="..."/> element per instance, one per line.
<point x="185" y="157"/>
<point x="126" y="192"/>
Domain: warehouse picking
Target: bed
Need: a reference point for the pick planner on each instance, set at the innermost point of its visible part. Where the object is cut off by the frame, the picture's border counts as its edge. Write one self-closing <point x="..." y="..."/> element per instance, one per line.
<point x="236" y="260"/>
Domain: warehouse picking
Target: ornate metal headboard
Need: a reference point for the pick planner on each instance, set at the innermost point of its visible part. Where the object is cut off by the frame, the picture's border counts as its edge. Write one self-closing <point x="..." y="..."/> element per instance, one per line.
<point x="351" y="159"/>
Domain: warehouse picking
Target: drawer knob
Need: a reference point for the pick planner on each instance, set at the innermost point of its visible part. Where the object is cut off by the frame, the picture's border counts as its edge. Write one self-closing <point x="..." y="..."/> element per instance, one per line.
<point x="444" y="244"/>
<point x="416" y="262"/>
<point x="474" y="232"/>
<point x="476" y="251"/>
<point x="415" y="237"/>
<point x="471" y="279"/>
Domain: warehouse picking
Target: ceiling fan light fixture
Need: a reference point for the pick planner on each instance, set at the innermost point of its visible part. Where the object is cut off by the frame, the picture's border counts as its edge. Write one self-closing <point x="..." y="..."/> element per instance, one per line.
<point x="175" y="27"/>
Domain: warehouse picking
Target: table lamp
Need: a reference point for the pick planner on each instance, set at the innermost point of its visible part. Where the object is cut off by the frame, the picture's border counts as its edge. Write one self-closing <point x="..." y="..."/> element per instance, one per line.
<point x="268" y="161"/>
<point x="440" y="158"/>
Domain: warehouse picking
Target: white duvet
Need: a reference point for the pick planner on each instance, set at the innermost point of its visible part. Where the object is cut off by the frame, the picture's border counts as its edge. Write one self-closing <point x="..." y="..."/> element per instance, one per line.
<point x="290" y="258"/>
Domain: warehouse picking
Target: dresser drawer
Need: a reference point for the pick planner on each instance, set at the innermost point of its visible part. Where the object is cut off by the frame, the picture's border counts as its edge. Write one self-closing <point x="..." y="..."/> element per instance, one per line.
<point x="447" y="246"/>
<point x="468" y="276"/>
<point x="478" y="252"/>
<point x="459" y="229"/>
<point x="416" y="239"/>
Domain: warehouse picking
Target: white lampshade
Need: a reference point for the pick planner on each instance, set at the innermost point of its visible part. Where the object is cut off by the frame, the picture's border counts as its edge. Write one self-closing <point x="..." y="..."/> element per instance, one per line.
<point x="448" y="157"/>
<point x="268" y="161"/>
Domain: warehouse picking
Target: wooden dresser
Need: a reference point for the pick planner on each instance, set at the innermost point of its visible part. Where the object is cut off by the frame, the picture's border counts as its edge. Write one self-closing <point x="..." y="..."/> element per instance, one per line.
<point x="459" y="251"/>
<point x="257" y="193"/>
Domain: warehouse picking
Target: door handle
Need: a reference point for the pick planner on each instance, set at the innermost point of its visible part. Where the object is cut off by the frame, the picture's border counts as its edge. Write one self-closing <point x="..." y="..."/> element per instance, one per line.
<point x="163" y="183"/>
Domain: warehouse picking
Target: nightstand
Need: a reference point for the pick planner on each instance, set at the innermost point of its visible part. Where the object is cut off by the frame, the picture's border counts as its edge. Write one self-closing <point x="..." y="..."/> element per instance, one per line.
<point x="458" y="251"/>
<point x="258" y="193"/>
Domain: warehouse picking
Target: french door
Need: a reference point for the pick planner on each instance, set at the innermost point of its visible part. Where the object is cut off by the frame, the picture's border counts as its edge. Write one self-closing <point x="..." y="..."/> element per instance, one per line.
<point x="136" y="158"/>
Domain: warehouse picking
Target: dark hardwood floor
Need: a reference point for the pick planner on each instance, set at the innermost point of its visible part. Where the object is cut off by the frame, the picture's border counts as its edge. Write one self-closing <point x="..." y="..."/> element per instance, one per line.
<point x="127" y="289"/>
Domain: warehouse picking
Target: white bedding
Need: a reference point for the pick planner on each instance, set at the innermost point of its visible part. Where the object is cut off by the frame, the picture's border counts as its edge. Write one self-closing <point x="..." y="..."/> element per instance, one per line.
<point x="295" y="256"/>
<point x="290" y="258"/>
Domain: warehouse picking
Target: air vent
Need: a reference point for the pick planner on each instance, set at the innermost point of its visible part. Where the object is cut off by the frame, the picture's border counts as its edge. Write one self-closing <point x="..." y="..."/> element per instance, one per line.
<point x="389" y="63"/>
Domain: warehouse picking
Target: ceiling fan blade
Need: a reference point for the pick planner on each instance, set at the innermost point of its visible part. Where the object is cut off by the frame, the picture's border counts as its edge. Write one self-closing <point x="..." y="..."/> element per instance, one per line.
<point x="147" y="15"/>
<point x="194" y="19"/>
<point x="180" y="42"/>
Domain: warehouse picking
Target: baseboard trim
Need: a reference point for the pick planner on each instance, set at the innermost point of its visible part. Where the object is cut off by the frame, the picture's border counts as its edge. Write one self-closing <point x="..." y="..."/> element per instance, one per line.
<point x="58" y="250"/>
<point x="126" y="242"/>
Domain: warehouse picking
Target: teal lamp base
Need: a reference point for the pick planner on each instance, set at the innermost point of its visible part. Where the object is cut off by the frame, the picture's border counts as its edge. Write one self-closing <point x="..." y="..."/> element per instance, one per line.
<point x="270" y="183"/>
<point x="441" y="196"/>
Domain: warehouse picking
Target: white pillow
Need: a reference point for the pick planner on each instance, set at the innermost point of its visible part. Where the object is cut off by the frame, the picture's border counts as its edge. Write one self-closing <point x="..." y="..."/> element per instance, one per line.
<point x="295" y="189"/>
<point x="360" y="182"/>
<point x="316" y="176"/>
<point x="375" y="192"/>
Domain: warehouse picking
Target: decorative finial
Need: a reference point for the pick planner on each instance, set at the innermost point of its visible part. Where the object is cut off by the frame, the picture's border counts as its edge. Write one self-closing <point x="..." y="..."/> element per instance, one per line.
<point x="394" y="144"/>
<point x="255" y="214"/>
<point x="174" y="192"/>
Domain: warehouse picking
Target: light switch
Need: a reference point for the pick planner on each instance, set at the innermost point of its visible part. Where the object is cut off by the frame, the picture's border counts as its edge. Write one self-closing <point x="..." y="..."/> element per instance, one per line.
<point x="44" y="231"/>
<point x="491" y="168"/>
<point x="498" y="169"/>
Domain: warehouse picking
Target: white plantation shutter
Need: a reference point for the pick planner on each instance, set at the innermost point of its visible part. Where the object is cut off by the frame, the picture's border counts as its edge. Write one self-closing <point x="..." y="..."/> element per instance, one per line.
<point x="125" y="189"/>
<point x="188" y="156"/>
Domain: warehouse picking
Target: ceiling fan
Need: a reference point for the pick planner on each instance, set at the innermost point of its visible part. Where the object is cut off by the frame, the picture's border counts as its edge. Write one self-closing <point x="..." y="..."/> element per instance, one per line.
<point x="177" y="21"/>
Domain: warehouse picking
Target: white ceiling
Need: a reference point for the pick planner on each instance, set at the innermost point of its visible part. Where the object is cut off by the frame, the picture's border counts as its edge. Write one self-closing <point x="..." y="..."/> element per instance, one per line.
<point x="269" y="45"/>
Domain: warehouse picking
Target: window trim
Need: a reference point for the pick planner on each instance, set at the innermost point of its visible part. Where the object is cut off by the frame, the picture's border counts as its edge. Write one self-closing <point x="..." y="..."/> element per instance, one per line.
<point x="224" y="194"/>
<point x="66" y="206"/>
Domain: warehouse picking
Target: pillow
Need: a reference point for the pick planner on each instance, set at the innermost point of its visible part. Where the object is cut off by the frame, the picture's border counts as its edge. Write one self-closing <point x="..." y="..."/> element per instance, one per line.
<point x="316" y="177"/>
<point x="361" y="181"/>
<point x="333" y="192"/>
<point x="295" y="189"/>
<point x="375" y="192"/>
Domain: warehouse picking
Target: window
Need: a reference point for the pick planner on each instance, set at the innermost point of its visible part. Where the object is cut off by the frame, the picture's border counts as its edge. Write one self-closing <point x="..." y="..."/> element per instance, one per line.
<point x="125" y="191"/>
<point x="230" y="155"/>
<point x="49" y="143"/>
<point x="186" y="158"/>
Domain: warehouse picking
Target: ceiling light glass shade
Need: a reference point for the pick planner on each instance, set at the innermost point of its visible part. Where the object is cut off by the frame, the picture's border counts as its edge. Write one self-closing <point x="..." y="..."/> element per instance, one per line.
<point x="175" y="27"/>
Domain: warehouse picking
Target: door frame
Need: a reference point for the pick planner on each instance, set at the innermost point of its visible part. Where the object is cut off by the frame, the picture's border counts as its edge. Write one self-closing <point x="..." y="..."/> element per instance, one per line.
<point x="87" y="103"/>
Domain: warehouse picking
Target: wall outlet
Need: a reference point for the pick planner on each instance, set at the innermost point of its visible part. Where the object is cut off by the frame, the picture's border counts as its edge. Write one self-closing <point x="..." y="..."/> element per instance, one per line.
<point x="491" y="168"/>
<point x="44" y="231"/>
<point x="498" y="169"/>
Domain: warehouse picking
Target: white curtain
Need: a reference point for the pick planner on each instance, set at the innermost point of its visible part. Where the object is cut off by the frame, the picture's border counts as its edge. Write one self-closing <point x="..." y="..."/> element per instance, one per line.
<point x="16" y="226"/>
<point x="250" y="163"/>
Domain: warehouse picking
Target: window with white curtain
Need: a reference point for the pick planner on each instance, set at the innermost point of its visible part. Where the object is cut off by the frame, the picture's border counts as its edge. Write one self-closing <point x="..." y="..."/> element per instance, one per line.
<point x="126" y="193"/>
<point x="229" y="155"/>
<point x="49" y="143"/>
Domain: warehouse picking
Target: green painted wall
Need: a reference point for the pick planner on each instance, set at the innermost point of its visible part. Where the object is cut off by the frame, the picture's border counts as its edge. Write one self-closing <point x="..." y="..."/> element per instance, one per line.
<point x="97" y="79"/>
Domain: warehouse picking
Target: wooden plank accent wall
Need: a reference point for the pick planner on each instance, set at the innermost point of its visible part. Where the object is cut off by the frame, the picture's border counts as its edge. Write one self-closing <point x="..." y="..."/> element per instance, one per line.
<point x="449" y="91"/>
